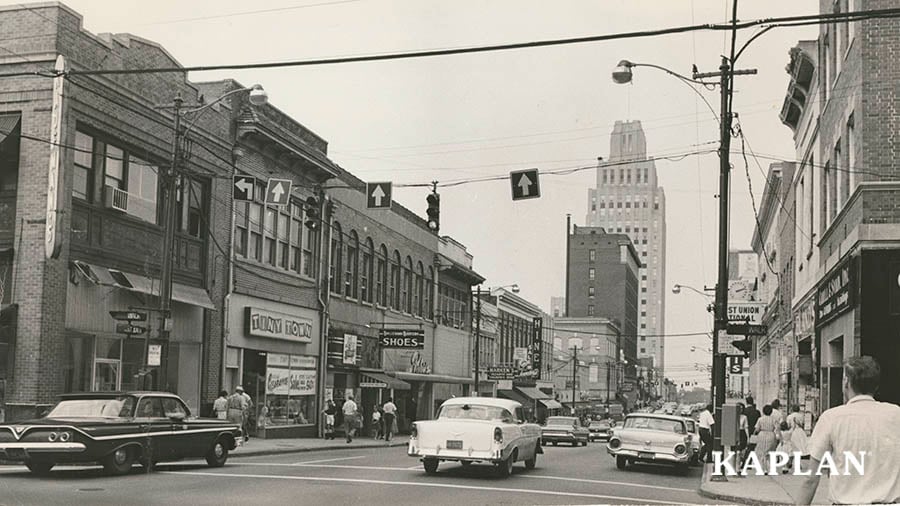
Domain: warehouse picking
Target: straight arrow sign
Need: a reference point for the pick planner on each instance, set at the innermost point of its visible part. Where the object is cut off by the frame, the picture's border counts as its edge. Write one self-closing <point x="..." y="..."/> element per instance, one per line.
<point x="525" y="184"/>
<point x="278" y="191"/>
<point x="378" y="195"/>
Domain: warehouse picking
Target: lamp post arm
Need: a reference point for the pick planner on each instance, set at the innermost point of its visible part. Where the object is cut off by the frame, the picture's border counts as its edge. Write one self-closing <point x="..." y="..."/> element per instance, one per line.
<point x="204" y="107"/>
<point x="687" y="81"/>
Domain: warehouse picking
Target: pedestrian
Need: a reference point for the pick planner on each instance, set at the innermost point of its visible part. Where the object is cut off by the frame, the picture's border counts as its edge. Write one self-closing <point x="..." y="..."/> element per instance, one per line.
<point x="237" y="408"/>
<point x="376" y="422"/>
<point x="220" y="405"/>
<point x="861" y="424"/>
<point x="329" y="412"/>
<point x="797" y="441"/>
<point x="753" y="415"/>
<point x="350" y="417"/>
<point x="706" y="422"/>
<point x="767" y="434"/>
<point x="390" y="417"/>
<point x="777" y="415"/>
<point x="248" y="411"/>
<point x="743" y="434"/>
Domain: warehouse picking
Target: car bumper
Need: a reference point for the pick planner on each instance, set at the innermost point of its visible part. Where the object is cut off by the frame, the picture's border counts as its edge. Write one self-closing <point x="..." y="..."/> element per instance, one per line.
<point x="558" y="438"/>
<point x="494" y="455"/>
<point x="596" y="437"/>
<point x="23" y="451"/>
<point x="646" y="456"/>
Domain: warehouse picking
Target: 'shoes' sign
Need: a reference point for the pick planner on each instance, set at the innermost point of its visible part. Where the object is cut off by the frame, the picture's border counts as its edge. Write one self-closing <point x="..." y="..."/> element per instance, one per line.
<point x="264" y="323"/>
<point x="402" y="338"/>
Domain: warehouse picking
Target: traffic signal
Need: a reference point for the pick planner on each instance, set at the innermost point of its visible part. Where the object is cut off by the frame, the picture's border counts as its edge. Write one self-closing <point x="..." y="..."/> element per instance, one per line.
<point x="744" y="345"/>
<point x="434" y="211"/>
<point x="312" y="213"/>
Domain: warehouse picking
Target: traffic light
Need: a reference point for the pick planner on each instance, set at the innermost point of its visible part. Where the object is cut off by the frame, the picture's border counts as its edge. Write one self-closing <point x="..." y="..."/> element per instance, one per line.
<point x="312" y="213"/>
<point x="434" y="211"/>
<point x="744" y="345"/>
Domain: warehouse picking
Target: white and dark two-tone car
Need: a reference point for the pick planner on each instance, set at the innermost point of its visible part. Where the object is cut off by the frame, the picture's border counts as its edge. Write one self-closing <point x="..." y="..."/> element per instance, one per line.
<point x="476" y="429"/>
<point x="652" y="438"/>
<point x="117" y="429"/>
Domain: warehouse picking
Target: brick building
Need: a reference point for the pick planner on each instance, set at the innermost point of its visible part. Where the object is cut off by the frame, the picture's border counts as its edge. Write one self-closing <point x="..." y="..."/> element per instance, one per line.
<point x="847" y="248"/>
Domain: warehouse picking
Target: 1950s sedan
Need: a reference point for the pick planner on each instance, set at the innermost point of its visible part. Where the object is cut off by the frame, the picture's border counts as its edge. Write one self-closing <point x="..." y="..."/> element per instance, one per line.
<point x="476" y="429"/>
<point x="117" y="429"/>
<point x="653" y="438"/>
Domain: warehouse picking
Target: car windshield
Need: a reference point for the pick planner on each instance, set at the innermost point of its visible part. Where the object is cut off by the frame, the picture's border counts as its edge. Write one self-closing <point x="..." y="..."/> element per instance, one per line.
<point x="646" y="422"/>
<point x="111" y="407"/>
<point x="599" y="425"/>
<point x="475" y="412"/>
<point x="557" y="420"/>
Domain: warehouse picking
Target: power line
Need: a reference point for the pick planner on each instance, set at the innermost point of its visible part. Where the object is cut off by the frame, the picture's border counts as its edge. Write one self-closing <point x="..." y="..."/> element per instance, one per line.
<point x="248" y="13"/>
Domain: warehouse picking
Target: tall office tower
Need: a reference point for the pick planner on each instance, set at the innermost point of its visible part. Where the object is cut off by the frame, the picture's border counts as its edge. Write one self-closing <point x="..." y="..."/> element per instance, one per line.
<point x="629" y="200"/>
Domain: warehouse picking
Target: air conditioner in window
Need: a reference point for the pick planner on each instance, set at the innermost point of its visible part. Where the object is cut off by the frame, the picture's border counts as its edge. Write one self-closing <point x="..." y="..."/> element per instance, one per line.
<point x="114" y="198"/>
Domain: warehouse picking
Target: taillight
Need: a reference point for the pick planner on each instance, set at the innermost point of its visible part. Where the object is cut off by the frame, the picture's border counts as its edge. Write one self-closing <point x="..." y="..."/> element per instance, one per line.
<point x="414" y="431"/>
<point x="615" y="443"/>
<point x="498" y="435"/>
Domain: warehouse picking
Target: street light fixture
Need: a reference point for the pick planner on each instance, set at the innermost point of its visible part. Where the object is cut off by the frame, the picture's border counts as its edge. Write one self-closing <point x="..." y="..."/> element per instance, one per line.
<point x="676" y="289"/>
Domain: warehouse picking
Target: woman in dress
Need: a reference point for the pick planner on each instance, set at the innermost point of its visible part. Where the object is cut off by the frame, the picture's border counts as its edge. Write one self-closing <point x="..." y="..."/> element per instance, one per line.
<point x="767" y="432"/>
<point x="743" y="433"/>
<point x="798" y="440"/>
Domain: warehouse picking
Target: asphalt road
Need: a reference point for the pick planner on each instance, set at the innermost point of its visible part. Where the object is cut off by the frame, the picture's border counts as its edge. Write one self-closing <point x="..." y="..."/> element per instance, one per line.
<point x="371" y="476"/>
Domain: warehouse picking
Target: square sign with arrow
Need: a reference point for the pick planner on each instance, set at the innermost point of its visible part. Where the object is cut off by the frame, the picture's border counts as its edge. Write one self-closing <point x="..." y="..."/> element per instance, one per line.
<point x="525" y="184"/>
<point x="278" y="191"/>
<point x="378" y="195"/>
<point x="243" y="188"/>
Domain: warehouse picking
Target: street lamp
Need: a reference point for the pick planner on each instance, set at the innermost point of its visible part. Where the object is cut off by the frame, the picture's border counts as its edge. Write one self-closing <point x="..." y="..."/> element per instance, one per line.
<point x="695" y="348"/>
<point x="257" y="96"/>
<point x="676" y="289"/>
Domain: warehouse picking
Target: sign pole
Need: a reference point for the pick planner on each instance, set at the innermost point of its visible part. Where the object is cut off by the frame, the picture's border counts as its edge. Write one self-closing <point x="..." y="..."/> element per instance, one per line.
<point x="477" y="340"/>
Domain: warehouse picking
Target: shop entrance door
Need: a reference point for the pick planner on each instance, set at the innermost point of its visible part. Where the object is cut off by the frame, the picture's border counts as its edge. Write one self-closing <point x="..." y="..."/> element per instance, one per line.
<point x="107" y="375"/>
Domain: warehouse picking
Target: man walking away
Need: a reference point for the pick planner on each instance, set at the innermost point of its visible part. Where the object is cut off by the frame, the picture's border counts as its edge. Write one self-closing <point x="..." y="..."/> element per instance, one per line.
<point x="390" y="413"/>
<point x="349" y="409"/>
<point x="706" y="422"/>
<point x="248" y="411"/>
<point x="753" y="415"/>
<point x="862" y="424"/>
<point x="237" y="406"/>
<point x="220" y="406"/>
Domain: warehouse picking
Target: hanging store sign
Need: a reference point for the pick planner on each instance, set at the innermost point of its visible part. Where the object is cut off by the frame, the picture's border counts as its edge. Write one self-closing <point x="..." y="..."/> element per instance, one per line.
<point x="835" y="294"/>
<point x="805" y="319"/>
<point x="265" y="323"/>
<point x="349" y="349"/>
<point x="402" y="338"/>
<point x="746" y="312"/>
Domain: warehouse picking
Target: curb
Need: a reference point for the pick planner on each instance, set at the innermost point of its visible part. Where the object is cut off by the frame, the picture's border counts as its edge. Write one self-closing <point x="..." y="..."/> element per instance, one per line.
<point x="307" y="449"/>
<point x="730" y="498"/>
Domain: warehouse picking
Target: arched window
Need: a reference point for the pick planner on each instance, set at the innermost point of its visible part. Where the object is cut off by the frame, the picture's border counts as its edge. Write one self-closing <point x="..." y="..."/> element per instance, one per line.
<point x="351" y="274"/>
<point x="426" y="297"/>
<point x="365" y="278"/>
<point x="396" y="266"/>
<point x="337" y="247"/>
<point x="419" y="302"/>
<point x="408" y="286"/>
<point x="381" y="271"/>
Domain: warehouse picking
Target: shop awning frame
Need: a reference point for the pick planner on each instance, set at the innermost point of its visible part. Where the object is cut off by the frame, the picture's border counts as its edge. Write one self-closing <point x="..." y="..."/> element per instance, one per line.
<point x="532" y="393"/>
<point x="433" y="378"/>
<point x="381" y="380"/>
<point x="551" y="403"/>
<point x="516" y="396"/>
<point x="100" y="275"/>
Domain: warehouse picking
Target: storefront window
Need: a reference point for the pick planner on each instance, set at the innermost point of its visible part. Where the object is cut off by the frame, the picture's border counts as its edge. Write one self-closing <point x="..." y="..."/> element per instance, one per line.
<point x="282" y="388"/>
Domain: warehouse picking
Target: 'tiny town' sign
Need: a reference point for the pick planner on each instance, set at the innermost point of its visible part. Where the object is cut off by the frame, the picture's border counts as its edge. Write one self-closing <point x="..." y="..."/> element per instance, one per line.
<point x="264" y="323"/>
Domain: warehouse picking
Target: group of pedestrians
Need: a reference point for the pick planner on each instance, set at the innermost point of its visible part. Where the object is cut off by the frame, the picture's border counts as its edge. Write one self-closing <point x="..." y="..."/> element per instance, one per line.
<point x="383" y="418"/>
<point x="235" y="408"/>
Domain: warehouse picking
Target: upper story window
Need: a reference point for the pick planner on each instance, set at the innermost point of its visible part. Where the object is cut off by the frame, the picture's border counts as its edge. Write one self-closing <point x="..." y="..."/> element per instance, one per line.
<point x="337" y="247"/>
<point x="351" y="273"/>
<point x="591" y="273"/>
<point x="190" y="206"/>
<point x="381" y="297"/>
<point x="366" y="270"/>
<point x="271" y="234"/>
<point x="592" y="255"/>
<point x="83" y="179"/>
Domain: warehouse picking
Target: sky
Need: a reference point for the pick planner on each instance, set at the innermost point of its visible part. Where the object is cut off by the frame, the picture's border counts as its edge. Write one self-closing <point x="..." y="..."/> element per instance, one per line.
<point x="452" y="118"/>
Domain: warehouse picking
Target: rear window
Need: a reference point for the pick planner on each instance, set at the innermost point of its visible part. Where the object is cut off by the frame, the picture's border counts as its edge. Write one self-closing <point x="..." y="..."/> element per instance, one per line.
<point x="475" y="412"/>
<point x="649" y="423"/>
<point x="556" y="420"/>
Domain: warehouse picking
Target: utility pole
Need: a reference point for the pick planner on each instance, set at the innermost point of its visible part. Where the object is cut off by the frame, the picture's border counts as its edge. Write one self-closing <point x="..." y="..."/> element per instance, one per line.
<point x="477" y="339"/>
<point x="574" y="377"/>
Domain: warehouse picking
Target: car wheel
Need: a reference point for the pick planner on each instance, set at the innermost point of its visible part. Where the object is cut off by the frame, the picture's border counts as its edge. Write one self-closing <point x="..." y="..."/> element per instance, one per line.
<point x="218" y="454"/>
<point x="118" y="462"/>
<point x="431" y="465"/>
<point x="465" y="463"/>
<point x="530" y="463"/>
<point x="621" y="462"/>
<point x="39" y="468"/>
<point x="505" y="468"/>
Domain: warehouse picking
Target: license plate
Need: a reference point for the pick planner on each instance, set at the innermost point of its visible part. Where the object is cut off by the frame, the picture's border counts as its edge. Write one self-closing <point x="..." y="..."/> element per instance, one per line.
<point x="454" y="445"/>
<point x="646" y="455"/>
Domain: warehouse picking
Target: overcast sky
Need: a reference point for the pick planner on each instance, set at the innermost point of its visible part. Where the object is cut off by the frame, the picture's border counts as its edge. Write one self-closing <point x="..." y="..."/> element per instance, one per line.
<point x="457" y="117"/>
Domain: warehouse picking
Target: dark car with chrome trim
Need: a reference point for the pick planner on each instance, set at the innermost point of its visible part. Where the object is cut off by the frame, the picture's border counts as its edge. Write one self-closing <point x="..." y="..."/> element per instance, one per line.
<point x="117" y="429"/>
<point x="564" y="429"/>
<point x="601" y="429"/>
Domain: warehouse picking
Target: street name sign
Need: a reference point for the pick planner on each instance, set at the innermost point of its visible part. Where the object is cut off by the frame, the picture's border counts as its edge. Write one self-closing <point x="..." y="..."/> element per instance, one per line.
<point x="525" y="184"/>
<point x="278" y="191"/>
<point x="127" y="328"/>
<point x="243" y="188"/>
<point x="378" y="195"/>
<point x="130" y="316"/>
<point x="747" y="329"/>
<point x="402" y="338"/>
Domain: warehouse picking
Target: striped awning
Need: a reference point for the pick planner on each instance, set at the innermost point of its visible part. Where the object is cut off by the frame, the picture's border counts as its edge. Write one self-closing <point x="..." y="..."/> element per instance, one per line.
<point x="380" y="380"/>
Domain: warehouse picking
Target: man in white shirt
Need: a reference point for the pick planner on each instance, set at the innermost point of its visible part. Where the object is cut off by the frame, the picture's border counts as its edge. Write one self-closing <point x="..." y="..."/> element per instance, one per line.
<point x="390" y="413"/>
<point x="349" y="409"/>
<point x="861" y="425"/>
<point x="706" y="422"/>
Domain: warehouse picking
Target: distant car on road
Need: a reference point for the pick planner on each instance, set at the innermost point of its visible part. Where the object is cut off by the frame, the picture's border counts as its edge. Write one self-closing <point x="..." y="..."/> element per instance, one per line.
<point x="645" y="437"/>
<point x="476" y="429"/>
<point x="600" y="430"/>
<point x="565" y="429"/>
<point x="117" y="429"/>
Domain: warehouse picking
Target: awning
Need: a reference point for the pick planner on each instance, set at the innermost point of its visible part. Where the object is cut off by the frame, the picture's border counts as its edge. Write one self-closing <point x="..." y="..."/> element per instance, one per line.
<point x="8" y="124"/>
<point x="100" y="275"/>
<point x="434" y="378"/>
<point x="379" y="380"/>
<point x="516" y="396"/>
<point x="551" y="404"/>
<point x="533" y="393"/>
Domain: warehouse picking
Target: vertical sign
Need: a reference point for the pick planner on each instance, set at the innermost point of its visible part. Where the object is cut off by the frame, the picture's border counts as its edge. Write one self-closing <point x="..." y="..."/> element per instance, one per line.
<point x="537" y="333"/>
<point x="53" y="234"/>
<point x="154" y="354"/>
<point x="349" y="349"/>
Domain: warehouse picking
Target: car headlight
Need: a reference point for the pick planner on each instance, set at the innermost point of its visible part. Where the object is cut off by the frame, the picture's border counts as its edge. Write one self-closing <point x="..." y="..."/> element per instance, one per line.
<point x="65" y="436"/>
<point x="680" y="448"/>
<point x="52" y="437"/>
<point x="413" y="432"/>
<point x="615" y="443"/>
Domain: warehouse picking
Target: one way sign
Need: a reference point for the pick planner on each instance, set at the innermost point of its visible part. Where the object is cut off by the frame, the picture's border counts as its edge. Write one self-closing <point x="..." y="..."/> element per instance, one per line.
<point x="525" y="184"/>
<point x="278" y="191"/>
<point x="243" y="188"/>
<point x="378" y="195"/>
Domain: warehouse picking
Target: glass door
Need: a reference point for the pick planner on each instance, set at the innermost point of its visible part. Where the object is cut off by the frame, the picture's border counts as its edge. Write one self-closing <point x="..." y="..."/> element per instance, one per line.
<point x="107" y="375"/>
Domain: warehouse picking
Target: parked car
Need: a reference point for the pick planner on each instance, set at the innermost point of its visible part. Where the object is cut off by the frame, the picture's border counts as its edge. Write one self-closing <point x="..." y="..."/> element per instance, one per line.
<point x="117" y="429"/>
<point x="600" y="430"/>
<point x="476" y="429"/>
<point x="653" y="438"/>
<point x="565" y="429"/>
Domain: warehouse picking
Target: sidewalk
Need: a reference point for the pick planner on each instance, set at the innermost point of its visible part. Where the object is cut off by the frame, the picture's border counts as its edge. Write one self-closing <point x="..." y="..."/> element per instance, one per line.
<point x="759" y="490"/>
<point x="257" y="446"/>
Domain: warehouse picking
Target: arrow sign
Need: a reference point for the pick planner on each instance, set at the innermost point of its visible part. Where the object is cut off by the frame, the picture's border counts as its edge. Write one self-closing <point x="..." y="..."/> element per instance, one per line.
<point x="278" y="191"/>
<point x="127" y="328"/>
<point x="378" y="195"/>
<point x="243" y="188"/>
<point x="525" y="184"/>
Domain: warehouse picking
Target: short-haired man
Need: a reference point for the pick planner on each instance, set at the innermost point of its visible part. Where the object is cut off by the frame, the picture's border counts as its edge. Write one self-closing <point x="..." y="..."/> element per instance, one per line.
<point x="706" y="422"/>
<point x="390" y="412"/>
<point x="862" y="424"/>
<point x="350" y="413"/>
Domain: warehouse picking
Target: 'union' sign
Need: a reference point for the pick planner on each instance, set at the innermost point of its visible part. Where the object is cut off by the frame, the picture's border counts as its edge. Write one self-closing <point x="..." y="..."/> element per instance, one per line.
<point x="265" y="323"/>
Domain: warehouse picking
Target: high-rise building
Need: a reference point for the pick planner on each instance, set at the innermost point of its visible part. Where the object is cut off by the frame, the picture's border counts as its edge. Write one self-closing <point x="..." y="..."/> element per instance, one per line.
<point x="629" y="200"/>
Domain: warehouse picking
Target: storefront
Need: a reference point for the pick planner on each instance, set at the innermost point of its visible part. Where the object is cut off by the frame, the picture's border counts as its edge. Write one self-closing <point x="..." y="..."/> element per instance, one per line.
<point x="271" y="352"/>
<point x="99" y="358"/>
<point x="836" y="297"/>
<point x="7" y="341"/>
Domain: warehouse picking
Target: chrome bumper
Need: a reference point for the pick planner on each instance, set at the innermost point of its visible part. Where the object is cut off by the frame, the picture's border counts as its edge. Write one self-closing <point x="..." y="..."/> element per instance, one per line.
<point x="657" y="457"/>
<point x="17" y="450"/>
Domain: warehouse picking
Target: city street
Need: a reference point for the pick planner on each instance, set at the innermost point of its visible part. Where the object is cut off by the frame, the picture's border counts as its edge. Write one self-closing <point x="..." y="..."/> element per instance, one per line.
<point x="564" y="475"/>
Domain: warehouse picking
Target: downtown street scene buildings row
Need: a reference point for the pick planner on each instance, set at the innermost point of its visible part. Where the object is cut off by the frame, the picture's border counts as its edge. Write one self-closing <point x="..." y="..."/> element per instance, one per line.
<point x="287" y="300"/>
